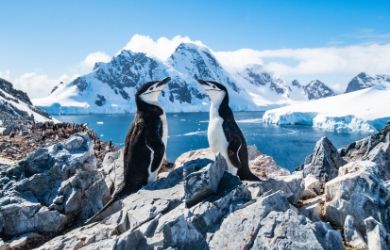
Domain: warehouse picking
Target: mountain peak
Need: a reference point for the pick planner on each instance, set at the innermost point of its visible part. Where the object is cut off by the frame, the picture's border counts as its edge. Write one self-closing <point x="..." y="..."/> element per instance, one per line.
<point x="360" y="81"/>
<point x="316" y="89"/>
<point x="7" y="87"/>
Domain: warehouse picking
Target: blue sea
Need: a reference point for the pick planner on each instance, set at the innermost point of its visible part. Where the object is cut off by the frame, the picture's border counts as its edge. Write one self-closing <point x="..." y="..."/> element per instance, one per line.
<point x="288" y="145"/>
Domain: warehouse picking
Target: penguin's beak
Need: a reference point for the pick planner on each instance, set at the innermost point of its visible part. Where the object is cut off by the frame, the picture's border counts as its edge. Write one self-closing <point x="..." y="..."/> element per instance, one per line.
<point x="163" y="82"/>
<point x="203" y="83"/>
<point x="206" y="86"/>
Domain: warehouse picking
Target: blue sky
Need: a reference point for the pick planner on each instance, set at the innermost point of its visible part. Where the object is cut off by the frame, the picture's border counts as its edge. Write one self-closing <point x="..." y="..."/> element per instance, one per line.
<point x="52" y="37"/>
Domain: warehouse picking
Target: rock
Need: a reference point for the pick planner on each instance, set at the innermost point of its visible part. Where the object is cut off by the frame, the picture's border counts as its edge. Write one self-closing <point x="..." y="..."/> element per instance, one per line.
<point x="199" y="184"/>
<point x="197" y="205"/>
<point x="264" y="166"/>
<point x="351" y="236"/>
<point x="253" y="152"/>
<point x="374" y="148"/>
<point x="358" y="192"/>
<point x="183" y="228"/>
<point x="313" y="187"/>
<point x="261" y="165"/>
<point x="377" y="236"/>
<point x="204" y="153"/>
<point x="270" y="223"/>
<point x="324" y="162"/>
<point x="312" y="208"/>
<point x="292" y="187"/>
<point x="51" y="188"/>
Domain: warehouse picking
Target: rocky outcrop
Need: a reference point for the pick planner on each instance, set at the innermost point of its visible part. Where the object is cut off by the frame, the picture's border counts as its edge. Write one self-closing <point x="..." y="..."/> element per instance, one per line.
<point x="272" y="223"/>
<point x="16" y="107"/>
<point x="200" y="181"/>
<point x="263" y="166"/>
<point x="359" y="194"/>
<point x="47" y="195"/>
<point x="324" y="162"/>
<point x="320" y="166"/>
<point x="51" y="189"/>
<point x="357" y="198"/>
<point x="19" y="140"/>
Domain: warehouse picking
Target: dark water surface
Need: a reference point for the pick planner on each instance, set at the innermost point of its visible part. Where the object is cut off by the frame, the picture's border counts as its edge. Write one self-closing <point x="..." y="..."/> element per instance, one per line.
<point x="288" y="145"/>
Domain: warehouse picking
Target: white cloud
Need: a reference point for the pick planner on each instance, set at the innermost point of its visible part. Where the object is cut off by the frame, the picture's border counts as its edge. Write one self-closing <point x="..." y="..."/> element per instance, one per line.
<point x="337" y="64"/>
<point x="94" y="57"/>
<point x="161" y="48"/>
<point x="333" y="65"/>
<point x="34" y="84"/>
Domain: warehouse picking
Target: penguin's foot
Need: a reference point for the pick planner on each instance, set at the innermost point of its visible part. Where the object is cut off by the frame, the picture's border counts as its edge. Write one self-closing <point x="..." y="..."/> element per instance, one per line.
<point x="166" y="166"/>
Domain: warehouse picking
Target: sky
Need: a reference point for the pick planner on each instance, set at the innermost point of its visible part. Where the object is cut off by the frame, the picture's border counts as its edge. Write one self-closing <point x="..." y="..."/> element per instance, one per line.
<point x="43" y="42"/>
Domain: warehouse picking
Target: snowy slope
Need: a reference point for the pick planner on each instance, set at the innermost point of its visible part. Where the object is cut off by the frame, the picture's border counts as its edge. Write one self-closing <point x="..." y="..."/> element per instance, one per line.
<point x="363" y="110"/>
<point x="15" y="106"/>
<point x="110" y="87"/>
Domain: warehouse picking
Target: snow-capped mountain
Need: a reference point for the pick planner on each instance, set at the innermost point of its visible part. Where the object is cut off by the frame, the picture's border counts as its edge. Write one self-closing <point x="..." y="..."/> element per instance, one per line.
<point x="15" y="106"/>
<point x="317" y="89"/>
<point x="111" y="86"/>
<point x="363" y="80"/>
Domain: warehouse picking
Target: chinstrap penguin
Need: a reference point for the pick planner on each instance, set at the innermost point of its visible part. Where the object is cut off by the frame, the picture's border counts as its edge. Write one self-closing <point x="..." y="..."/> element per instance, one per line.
<point x="146" y="142"/>
<point x="223" y="133"/>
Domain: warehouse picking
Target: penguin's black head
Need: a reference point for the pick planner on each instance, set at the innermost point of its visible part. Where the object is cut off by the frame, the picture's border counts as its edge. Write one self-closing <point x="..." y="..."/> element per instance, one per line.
<point x="216" y="91"/>
<point x="150" y="91"/>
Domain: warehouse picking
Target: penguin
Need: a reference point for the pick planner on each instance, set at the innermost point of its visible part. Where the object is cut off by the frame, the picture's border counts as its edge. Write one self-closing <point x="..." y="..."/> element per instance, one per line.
<point x="145" y="144"/>
<point x="223" y="133"/>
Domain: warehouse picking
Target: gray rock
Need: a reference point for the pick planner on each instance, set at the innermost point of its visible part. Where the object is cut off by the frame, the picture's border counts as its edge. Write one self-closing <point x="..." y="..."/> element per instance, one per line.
<point x="360" y="192"/>
<point x="351" y="236"/>
<point x="270" y="223"/>
<point x="377" y="236"/>
<point x="292" y="187"/>
<point x="201" y="183"/>
<point x="374" y="148"/>
<point x="324" y="162"/>
<point x="51" y="188"/>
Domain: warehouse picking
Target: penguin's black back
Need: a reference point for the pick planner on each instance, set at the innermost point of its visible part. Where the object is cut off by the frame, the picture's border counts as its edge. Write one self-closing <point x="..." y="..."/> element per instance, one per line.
<point x="237" y="148"/>
<point x="146" y="131"/>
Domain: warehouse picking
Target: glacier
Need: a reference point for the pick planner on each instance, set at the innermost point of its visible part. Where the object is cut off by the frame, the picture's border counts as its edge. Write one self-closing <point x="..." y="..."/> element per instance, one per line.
<point x="362" y="110"/>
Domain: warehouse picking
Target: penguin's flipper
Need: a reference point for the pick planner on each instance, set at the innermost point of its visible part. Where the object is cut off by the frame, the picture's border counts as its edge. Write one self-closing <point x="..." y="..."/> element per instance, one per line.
<point x="235" y="145"/>
<point x="156" y="144"/>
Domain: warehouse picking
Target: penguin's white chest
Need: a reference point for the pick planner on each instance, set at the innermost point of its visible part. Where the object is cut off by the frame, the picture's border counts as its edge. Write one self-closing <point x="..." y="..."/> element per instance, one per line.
<point x="164" y="138"/>
<point x="217" y="139"/>
<point x="153" y="175"/>
<point x="216" y="136"/>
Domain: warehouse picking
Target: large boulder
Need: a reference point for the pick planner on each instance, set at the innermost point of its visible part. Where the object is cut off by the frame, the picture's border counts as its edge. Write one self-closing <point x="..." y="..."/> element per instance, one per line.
<point x="292" y="187"/>
<point x="324" y="162"/>
<point x="357" y="194"/>
<point x="198" y="184"/>
<point x="271" y="223"/>
<point x="54" y="187"/>
<point x="374" y="148"/>
<point x="319" y="167"/>
<point x="261" y="165"/>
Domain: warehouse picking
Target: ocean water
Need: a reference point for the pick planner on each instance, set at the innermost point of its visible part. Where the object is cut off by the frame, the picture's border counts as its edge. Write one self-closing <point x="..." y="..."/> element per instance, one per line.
<point x="288" y="145"/>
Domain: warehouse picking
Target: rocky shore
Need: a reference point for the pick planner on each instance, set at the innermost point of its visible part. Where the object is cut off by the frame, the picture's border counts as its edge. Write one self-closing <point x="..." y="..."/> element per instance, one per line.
<point x="337" y="199"/>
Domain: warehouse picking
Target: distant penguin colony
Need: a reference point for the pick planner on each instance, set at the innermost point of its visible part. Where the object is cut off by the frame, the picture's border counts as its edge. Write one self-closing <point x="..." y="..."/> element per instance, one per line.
<point x="223" y="133"/>
<point x="145" y="143"/>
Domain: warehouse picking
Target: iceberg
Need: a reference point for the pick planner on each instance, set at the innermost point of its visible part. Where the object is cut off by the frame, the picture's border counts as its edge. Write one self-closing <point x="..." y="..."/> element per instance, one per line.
<point x="364" y="110"/>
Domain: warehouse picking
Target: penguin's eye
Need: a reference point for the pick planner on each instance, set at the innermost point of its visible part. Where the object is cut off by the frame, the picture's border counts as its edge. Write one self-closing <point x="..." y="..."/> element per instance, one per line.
<point x="214" y="87"/>
<point x="151" y="88"/>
